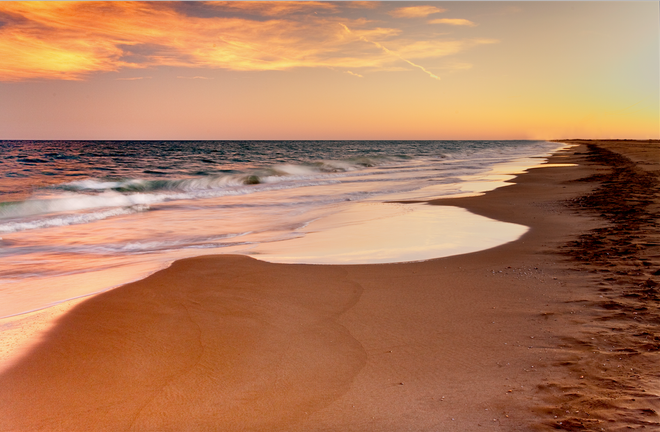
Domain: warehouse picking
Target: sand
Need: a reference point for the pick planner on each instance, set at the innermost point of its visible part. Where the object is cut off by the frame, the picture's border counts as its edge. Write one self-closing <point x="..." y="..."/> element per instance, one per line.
<point x="557" y="330"/>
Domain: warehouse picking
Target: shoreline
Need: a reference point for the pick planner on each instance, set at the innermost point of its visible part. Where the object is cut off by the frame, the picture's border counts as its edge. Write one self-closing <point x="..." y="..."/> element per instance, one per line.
<point x="231" y="343"/>
<point x="74" y="275"/>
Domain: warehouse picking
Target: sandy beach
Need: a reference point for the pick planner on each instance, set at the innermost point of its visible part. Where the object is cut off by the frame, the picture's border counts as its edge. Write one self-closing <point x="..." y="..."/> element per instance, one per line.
<point x="557" y="330"/>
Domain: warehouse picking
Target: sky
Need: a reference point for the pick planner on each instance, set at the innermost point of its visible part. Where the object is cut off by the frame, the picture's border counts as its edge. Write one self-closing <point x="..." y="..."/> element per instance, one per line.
<point x="329" y="70"/>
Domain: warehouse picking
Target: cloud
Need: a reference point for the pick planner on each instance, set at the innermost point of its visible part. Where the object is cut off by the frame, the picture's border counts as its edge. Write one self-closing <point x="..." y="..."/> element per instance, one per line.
<point x="363" y="4"/>
<point x="249" y="9"/>
<point x="393" y="53"/>
<point x="453" y="21"/>
<point x="354" y="74"/>
<point x="415" y="11"/>
<point x="71" y="40"/>
<point x="431" y="49"/>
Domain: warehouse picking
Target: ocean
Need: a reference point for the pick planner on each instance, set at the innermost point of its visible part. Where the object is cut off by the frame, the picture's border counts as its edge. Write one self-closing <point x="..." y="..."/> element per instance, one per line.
<point x="79" y="217"/>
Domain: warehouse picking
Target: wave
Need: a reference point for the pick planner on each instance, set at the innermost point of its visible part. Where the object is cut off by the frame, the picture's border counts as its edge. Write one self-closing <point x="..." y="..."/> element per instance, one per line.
<point x="487" y="155"/>
<point x="76" y="202"/>
<point x="142" y="247"/>
<point x="123" y="196"/>
<point x="476" y="156"/>
<point x="94" y="193"/>
<point x="272" y="174"/>
<point x="120" y="202"/>
<point x="73" y="219"/>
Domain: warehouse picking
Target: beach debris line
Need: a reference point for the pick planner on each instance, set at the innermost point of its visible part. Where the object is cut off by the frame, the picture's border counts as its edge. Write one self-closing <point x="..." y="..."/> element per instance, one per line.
<point x="614" y="362"/>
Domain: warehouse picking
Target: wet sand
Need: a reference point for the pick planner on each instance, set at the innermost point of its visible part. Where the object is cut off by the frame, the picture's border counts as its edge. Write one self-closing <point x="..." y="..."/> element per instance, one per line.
<point x="611" y="356"/>
<point x="547" y="332"/>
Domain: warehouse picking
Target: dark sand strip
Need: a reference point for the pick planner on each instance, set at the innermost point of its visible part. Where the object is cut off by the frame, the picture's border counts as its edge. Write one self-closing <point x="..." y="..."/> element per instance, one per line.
<point x="228" y="343"/>
<point x="612" y="356"/>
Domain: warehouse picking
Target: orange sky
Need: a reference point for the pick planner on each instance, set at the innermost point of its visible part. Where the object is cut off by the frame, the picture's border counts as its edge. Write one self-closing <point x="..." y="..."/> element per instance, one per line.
<point x="329" y="70"/>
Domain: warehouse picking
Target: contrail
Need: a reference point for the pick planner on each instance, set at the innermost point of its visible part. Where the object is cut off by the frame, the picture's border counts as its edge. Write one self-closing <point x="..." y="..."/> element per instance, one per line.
<point x="392" y="53"/>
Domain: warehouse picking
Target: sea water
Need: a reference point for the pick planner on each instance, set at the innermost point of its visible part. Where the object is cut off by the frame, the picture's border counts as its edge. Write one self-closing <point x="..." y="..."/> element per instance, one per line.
<point x="78" y="217"/>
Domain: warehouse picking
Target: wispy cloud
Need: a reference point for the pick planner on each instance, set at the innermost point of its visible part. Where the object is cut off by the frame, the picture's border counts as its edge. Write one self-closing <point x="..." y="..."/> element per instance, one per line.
<point x="453" y="21"/>
<point x="354" y="74"/>
<point x="393" y="53"/>
<point x="415" y="11"/>
<point x="215" y="9"/>
<point x="363" y="4"/>
<point x="70" y="40"/>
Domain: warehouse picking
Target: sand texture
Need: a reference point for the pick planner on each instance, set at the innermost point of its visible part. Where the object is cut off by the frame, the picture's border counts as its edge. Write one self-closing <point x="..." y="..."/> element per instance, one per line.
<point x="558" y="330"/>
<point x="612" y="361"/>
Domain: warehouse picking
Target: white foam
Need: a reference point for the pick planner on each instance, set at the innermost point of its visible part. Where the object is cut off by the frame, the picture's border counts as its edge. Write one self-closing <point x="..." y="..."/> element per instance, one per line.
<point x="70" y="219"/>
<point x="92" y="184"/>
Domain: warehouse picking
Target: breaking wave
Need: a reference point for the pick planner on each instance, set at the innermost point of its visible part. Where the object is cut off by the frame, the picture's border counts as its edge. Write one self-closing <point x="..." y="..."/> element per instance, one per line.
<point x="72" y="219"/>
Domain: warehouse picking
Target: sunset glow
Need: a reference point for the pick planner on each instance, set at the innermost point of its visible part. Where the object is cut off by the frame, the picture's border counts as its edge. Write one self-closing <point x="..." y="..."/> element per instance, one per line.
<point x="328" y="70"/>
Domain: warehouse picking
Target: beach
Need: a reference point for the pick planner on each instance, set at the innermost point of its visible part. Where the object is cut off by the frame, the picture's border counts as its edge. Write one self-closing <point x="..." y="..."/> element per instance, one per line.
<point x="556" y="330"/>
